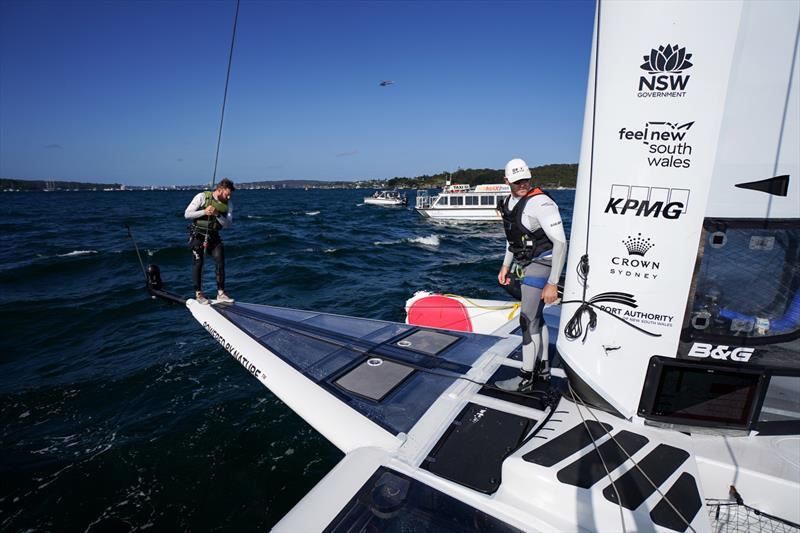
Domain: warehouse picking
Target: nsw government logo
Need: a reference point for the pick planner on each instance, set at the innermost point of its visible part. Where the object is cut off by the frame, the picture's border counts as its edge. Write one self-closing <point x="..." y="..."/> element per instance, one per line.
<point x="652" y="202"/>
<point x="665" y="66"/>
<point x="666" y="143"/>
<point x="635" y="264"/>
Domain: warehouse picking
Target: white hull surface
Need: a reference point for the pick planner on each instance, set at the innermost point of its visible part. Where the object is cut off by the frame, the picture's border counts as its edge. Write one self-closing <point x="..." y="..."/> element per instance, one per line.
<point x="460" y="202"/>
<point x="454" y="213"/>
<point x="442" y="460"/>
<point x="386" y="199"/>
<point x="383" y="201"/>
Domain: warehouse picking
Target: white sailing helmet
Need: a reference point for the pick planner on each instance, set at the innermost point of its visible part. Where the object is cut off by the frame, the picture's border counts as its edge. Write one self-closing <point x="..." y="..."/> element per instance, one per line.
<point x="517" y="170"/>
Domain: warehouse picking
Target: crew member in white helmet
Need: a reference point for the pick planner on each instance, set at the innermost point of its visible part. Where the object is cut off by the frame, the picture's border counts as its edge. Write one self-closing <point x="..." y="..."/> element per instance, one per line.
<point x="535" y="252"/>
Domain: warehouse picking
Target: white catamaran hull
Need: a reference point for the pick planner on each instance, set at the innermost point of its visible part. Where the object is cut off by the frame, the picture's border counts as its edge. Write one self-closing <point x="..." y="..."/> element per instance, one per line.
<point x="680" y="411"/>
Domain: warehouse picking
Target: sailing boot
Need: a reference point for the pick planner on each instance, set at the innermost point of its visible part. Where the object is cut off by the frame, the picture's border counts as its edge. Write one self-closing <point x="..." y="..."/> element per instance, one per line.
<point x="543" y="371"/>
<point x="524" y="380"/>
<point x="223" y="298"/>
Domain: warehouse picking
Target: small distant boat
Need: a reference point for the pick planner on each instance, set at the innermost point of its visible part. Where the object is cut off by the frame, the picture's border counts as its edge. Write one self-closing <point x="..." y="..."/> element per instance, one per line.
<point x="461" y="202"/>
<point x="387" y="198"/>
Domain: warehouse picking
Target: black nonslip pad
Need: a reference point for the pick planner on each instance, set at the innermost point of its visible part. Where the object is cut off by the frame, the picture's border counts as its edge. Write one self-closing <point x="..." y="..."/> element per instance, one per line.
<point x="535" y="400"/>
<point x="685" y="497"/>
<point x="472" y="450"/>
<point x="589" y="469"/>
<point x="632" y="486"/>
<point x="559" y="448"/>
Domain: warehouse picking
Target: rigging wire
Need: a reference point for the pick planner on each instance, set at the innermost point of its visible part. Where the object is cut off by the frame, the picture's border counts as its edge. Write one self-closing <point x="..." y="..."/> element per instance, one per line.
<point x="225" y="94"/>
<point x="600" y="455"/>
<point x="583" y="266"/>
<point x="139" y="255"/>
<point x="576" y="396"/>
<point x="222" y="112"/>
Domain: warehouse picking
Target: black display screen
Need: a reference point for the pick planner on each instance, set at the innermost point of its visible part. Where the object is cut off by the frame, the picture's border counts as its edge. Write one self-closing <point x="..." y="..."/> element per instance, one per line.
<point x="708" y="396"/>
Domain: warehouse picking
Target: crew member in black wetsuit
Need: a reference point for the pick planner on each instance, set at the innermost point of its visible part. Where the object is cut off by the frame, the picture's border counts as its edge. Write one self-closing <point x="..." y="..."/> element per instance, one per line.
<point x="210" y="212"/>
<point x="536" y="250"/>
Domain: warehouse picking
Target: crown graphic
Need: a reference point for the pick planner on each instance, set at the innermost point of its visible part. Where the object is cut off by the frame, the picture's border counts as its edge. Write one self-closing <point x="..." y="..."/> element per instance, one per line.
<point x="637" y="245"/>
<point x="669" y="58"/>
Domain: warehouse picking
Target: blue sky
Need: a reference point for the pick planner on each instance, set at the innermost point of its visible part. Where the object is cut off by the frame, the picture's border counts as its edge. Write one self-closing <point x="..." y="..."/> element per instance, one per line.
<point x="130" y="91"/>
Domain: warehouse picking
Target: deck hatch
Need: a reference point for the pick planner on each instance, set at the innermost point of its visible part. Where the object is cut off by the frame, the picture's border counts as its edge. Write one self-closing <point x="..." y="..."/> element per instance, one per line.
<point x="632" y="486"/>
<point x="589" y="469"/>
<point x="427" y="341"/>
<point x="472" y="450"/>
<point x="557" y="449"/>
<point x="391" y="501"/>
<point x="374" y="378"/>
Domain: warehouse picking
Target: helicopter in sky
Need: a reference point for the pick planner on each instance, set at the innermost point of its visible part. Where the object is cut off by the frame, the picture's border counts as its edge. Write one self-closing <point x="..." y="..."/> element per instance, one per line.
<point x="386" y="83"/>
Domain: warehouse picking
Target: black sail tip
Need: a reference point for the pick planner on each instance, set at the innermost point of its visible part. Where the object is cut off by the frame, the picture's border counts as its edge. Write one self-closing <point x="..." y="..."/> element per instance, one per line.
<point x="777" y="186"/>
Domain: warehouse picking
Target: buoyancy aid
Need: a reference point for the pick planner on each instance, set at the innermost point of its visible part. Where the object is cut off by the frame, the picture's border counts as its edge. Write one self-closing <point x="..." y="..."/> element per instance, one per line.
<point x="526" y="245"/>
<point x="206" y="223"/>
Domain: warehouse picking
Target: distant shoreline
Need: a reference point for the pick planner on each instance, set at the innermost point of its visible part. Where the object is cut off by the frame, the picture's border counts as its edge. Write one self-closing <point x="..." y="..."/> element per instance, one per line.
<point x="546" y="176"/>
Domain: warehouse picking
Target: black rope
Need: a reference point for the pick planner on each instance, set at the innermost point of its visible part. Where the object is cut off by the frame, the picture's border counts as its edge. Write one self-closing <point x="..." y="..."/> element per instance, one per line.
<point x="225" y="95"/>
<point x="574" y="327"/>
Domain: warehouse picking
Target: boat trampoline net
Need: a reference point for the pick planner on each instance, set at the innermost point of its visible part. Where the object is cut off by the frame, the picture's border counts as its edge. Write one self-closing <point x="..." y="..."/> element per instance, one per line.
<point x="727" y="516"/>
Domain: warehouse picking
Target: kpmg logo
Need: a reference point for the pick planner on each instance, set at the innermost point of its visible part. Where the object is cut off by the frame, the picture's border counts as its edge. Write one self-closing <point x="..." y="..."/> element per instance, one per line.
<point x="666" y="143"/>
<point x="634" y="265"/>
<point x="653" y="202"/>
<point x="665" y="66"/>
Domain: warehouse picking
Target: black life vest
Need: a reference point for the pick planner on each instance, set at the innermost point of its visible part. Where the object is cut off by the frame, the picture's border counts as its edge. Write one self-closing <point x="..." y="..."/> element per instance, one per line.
<point x="526" y="245"/>
<point x="209" y="224"/>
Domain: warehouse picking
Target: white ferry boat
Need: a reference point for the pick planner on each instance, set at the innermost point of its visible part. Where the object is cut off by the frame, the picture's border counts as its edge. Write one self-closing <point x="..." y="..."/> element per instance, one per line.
<point x="387" y="198"/>
<point x="461" y="202"/>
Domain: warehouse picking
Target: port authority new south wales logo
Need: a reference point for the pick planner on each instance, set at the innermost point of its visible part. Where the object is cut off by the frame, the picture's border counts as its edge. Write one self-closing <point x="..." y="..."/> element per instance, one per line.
<point x="666" y="77"/>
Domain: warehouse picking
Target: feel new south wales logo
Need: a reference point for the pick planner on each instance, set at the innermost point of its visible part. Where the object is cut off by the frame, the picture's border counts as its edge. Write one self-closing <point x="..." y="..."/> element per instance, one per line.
<point x="665" y="66"/>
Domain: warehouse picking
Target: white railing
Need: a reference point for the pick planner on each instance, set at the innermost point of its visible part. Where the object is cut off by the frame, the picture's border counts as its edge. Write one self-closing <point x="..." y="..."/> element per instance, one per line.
<point x="424" y="201"/>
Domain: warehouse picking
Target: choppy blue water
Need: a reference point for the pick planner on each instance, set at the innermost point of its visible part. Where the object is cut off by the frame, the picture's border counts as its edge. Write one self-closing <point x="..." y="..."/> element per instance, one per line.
<point x="120" y="412"/>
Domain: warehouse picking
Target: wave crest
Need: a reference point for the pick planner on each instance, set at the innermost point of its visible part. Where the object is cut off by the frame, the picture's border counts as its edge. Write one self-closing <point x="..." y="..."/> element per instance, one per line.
<point x="79" y="252"/>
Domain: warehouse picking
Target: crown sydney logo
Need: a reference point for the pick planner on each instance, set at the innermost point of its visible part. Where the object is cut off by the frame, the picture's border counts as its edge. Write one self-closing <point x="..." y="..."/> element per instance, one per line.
<point x="666" y="65"/>
<point x="637" y="245"/>
<point x="635" y="265"/>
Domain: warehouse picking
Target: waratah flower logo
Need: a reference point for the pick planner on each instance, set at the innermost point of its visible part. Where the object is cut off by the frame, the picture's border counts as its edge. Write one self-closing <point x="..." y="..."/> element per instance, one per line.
<point x="667" y="58"/>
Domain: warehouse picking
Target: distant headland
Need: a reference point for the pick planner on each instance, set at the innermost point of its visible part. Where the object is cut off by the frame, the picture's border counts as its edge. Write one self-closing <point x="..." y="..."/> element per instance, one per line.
<point x="546" y="176"/>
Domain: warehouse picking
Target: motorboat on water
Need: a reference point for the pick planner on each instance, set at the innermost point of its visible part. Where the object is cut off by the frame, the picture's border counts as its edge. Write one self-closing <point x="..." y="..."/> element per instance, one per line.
<point x="387" y="198"/>
<point x="462" y="202"/>
<point x="677" y="402"/>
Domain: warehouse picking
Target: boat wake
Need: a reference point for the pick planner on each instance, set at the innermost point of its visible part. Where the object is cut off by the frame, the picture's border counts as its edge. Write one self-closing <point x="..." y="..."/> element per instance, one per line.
<point x="430" y="241"/>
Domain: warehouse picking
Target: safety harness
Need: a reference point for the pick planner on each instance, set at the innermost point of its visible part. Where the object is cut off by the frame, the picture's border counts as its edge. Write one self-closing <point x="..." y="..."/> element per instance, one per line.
<point x="526" y="245"/>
